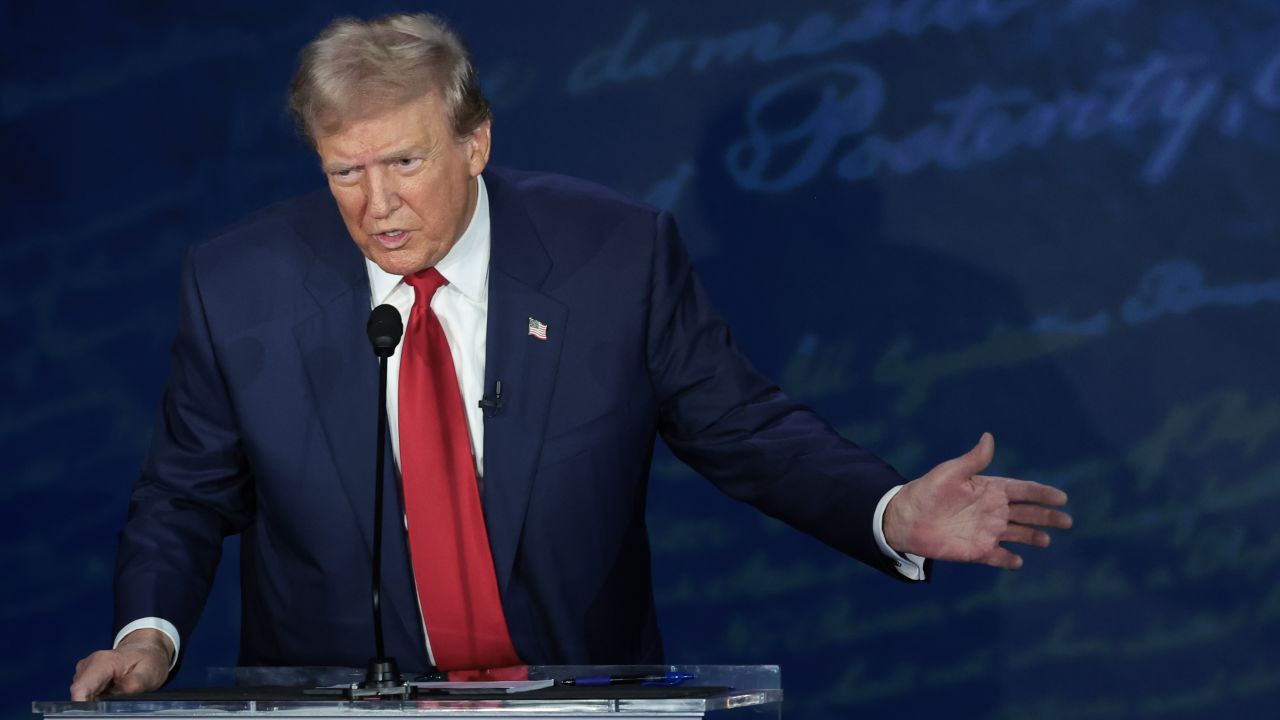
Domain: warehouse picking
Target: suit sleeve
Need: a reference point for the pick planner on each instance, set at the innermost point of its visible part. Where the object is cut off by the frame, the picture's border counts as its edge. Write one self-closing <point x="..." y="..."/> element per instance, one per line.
<point x="193" y="489"/>
<point x="740" y="431"/>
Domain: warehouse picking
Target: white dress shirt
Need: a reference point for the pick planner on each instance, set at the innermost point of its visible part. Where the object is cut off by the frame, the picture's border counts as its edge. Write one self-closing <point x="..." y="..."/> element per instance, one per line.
<point x="463" y="309"/>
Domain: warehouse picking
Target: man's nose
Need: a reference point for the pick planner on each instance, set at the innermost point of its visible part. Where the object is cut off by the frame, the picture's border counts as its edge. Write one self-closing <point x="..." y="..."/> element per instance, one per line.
<point x="384" y="195"/>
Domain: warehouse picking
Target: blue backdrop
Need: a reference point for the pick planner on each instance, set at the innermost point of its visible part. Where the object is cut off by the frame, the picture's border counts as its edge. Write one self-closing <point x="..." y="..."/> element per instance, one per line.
<point x="1053" y="220"/>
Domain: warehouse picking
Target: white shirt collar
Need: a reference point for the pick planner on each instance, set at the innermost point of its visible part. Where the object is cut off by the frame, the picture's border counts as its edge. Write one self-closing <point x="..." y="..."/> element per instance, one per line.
<point x="466" y="266"/>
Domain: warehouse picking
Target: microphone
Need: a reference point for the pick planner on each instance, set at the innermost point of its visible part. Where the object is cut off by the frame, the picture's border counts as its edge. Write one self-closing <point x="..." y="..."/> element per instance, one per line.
<point x="385" y="329"/>
<point x="382" y="677"/>
<point x="491" y="404"/>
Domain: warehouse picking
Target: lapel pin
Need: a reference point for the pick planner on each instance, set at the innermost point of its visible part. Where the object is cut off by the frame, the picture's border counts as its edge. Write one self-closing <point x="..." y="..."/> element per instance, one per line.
<point x="537" y="328"/>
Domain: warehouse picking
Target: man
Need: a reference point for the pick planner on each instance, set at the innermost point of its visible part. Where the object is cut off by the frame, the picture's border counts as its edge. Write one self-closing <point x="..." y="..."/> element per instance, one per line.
<point x="571" y="314"/>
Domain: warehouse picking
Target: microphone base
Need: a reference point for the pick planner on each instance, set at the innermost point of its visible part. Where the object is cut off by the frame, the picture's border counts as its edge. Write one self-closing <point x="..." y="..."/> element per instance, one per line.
<point x="381" y="673"/>
<point x="382" y="679"/>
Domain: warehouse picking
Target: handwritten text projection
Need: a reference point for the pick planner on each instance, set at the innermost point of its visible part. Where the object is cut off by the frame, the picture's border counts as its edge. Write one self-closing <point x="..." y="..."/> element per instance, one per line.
<point x="826" y="119"/>
<point x="1175" y="96"/>
<point x="815" y="34"/>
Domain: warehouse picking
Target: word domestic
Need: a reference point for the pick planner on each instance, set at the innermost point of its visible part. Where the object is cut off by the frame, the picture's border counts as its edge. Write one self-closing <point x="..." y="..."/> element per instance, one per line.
<point x="768" y="42"/>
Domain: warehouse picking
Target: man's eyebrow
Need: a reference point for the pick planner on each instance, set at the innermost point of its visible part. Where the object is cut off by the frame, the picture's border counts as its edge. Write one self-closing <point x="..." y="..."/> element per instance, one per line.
<point x="406" y="151"/>
<point x="397" y="153"/>
<point x="333" y="167"/>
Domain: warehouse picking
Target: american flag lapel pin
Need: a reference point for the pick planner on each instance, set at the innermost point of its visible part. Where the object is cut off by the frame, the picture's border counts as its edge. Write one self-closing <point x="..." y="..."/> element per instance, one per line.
<point x="537" y="328"/>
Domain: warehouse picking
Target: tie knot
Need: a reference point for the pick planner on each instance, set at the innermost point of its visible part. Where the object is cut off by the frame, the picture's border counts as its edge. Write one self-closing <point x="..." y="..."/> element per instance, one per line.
<point x="425" y="284"/>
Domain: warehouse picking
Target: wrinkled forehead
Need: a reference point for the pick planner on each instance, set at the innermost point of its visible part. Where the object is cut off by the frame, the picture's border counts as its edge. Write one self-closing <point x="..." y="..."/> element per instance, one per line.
<point x="383" y="131"/>
<point x="342" y="110"/>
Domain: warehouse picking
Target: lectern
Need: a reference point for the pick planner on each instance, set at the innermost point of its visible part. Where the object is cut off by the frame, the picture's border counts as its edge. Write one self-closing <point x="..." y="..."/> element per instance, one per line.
<point x="730" y="691"/>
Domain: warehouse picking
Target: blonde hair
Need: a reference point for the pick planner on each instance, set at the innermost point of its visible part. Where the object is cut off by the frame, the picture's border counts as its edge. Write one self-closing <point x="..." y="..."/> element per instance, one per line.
<point x="358" y="68"/>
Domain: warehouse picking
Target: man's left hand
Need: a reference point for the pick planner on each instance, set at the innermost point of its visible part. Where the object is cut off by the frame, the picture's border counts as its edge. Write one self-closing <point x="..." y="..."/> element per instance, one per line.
<point x="953" y="513"/>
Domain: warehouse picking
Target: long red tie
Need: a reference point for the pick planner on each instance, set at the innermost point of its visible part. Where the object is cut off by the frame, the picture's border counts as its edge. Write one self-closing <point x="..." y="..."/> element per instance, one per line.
<point x="452" y="564"/>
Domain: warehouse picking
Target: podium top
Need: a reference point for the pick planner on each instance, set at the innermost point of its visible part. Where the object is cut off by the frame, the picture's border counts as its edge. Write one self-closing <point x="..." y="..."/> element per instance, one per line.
<point x="277" y="691"/>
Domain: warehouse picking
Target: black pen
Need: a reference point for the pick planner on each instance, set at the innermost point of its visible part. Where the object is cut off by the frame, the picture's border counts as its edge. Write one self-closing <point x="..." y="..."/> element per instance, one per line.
<point x="671" y="678"/>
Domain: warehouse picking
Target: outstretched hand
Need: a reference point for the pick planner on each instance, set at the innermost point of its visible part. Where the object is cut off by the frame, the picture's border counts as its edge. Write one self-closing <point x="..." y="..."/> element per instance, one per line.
<point x="953" y="513"/>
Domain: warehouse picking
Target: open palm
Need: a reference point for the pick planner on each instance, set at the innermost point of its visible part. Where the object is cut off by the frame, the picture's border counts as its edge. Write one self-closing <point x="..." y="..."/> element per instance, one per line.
<point x="954" y="513"/>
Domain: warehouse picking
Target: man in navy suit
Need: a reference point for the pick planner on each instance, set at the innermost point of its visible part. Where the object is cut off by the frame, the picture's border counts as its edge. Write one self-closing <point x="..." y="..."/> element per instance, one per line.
<point x="573" y="311"/>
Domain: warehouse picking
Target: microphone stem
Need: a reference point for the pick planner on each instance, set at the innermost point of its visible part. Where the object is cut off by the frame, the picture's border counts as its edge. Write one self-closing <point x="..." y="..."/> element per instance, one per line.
<point x="377" y="507"/>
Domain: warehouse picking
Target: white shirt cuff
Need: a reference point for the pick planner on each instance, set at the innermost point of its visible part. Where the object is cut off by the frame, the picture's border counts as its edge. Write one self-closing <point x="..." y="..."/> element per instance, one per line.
<point x="911" y="566"/>
<point x="152" y="623"/>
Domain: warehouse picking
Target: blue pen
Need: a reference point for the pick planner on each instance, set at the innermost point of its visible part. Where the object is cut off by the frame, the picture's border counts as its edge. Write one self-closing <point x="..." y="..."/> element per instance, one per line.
<point x="665" y="679"/>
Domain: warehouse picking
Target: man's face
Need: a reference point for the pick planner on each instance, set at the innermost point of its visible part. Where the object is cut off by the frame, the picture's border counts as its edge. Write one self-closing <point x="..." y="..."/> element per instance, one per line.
<point x="404" y="184"/>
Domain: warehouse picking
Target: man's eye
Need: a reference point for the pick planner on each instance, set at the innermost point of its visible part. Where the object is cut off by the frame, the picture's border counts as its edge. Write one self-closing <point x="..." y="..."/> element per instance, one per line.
<point x="407" y="163"/>
<point x="345" y="177"/>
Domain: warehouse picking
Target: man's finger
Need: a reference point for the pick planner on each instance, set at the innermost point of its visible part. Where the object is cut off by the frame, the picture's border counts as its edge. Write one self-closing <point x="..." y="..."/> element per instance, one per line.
<point x="84" y="689"/>
<point x="1028" y="491"/>
<point x="1025" y="514"/>
<point x="128" y="684"/>
<point x="1025" y="535"/>
<point x="1002" y="558"/>
<point x="93" y="675"/>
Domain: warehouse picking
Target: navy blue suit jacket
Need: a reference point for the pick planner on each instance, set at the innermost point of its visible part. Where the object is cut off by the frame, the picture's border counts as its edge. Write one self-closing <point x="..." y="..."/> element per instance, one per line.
<point x="267" y="429"/>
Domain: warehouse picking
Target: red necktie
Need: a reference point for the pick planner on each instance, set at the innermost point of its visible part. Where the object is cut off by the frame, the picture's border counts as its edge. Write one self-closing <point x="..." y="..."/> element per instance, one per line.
<point x="448" y="543"/>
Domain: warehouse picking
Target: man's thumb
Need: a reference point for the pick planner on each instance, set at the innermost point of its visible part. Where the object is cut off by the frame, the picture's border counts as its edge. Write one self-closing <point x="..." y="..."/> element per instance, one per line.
<point x="977" y="459"/>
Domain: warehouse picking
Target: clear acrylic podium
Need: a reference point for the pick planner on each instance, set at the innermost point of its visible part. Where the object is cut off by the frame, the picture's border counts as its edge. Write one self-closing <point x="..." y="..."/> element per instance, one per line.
<point x="729" y="691"/>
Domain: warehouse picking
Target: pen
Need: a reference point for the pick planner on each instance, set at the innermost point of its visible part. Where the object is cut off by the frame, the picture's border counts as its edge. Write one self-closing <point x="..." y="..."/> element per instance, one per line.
<point x="671" y="678"/>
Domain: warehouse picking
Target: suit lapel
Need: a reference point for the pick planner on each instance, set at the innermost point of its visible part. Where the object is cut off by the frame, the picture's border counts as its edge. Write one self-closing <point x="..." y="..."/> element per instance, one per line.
<point x="343" y="376"/>
<point x="525" y="365"/>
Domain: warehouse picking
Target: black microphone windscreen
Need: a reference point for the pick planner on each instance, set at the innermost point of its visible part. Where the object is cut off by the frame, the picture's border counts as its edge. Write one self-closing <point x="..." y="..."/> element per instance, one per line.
<point x="385" y="329"/>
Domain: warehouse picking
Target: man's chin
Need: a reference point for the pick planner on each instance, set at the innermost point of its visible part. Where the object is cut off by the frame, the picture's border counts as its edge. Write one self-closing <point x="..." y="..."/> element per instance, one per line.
<point x="398" y="263"/>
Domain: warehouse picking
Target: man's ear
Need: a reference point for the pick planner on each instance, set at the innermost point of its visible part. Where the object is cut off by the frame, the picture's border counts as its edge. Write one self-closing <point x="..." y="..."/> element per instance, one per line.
<point x="478" y="145"/>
